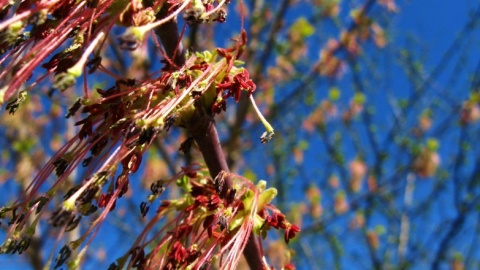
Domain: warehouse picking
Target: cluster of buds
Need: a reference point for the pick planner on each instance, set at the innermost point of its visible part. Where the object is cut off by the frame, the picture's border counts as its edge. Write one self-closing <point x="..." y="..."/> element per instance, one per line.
<point x="33" y="30"/>
<point x="219" y="227"/>
<point x="427" y="159"/>
<point x="201" y="11"/>
<point x="120" y="123"/>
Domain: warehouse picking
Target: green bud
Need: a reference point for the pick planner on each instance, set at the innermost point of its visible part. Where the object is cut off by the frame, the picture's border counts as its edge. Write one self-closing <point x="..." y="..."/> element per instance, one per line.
<point x="266" y="197"/>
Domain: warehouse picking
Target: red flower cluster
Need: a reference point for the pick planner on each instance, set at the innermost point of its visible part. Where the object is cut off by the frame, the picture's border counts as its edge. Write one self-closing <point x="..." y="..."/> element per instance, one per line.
<point x="235" y="85"/>
<point x="278" y="220"/>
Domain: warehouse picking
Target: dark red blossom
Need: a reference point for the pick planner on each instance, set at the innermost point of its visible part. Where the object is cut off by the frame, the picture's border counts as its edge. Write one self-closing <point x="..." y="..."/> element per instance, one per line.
<point x="219" y="106"/>
<point x="105" y="199"/>
<point x="16" y="218"/>
<point x="208" y="224"/>
<point x="225" y="52"/>
<point x="202" y="200"/>
<point x="243" y="82"/>
<point x="234" y="85"/>
<point x="132" y="162"/>
<point x="12" y="106"/>
<point x="221" y="16"/>
<point x="225" y="84"/>
<point x="197" y="191"/>
<point x="290" y="232"/>
<point x="25" y="5"/>
<point x="132" y="131"/>
<point x="94" y="63"/>
<point x="208" y="221"/>
<point x="192" y="255"/>
<point x="276" y="220"/>
<point x="199" y="66"/>
<point x="178" y="253"/>
<point x="182" y="231"/>
<point x="122" y="181"/>
<point x="213" y="202"/>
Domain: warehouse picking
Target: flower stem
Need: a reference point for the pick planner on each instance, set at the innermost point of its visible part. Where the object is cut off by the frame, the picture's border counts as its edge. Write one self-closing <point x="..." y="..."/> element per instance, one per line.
<point x="267" y="135"/>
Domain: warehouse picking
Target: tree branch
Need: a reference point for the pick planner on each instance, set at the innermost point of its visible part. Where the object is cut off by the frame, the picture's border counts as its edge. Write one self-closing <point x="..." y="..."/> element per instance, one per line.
<point x="202" y="127"/>
<point x="168" y="34"/>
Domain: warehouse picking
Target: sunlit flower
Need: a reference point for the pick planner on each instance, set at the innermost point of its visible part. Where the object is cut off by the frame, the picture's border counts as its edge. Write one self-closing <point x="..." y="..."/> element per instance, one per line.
<point x="290" y="232"/>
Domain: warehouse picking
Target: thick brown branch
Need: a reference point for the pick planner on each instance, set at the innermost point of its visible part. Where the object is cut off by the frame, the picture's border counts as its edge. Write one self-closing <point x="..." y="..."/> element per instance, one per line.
<point x="205" y="134"/>
<point x="171" y="42"/>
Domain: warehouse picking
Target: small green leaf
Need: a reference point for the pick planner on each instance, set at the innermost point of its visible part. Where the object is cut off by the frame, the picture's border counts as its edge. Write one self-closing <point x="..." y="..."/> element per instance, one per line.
<point x="302" y="145"/>
<point x="359" y="98"/>
<point x="250" y="175"/>
<point x="303" y="27"/>
<point x="432" y="144"/>
<point x="334" y="94"/>
<point x="379" y="229"/>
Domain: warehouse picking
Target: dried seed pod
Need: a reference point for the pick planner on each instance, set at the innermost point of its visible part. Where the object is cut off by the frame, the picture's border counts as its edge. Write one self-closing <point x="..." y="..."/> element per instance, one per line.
<point x="61" y="165"/>
<point x="144" y="207"/>
<point x="63" y="256"/>
<point x="61" y="217"/>
<point x="72" y="110"/>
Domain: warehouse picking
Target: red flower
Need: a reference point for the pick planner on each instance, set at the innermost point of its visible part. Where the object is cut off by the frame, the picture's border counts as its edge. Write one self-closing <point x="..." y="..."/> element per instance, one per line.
<point x="290" y="232"/>
<point x="213" y="203"/>
<point x="236" y="84"/>
<point x="208" y="224"/>
<point x="105" y="199"/>
<point x="276" y="220"/>
<point x="219" y="106"/>
<point x="182" y="231"/>
<point x="178" y="253"/>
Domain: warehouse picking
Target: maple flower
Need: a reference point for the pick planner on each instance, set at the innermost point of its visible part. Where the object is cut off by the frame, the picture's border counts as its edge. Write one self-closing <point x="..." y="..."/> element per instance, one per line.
<point x="290" y="232"/>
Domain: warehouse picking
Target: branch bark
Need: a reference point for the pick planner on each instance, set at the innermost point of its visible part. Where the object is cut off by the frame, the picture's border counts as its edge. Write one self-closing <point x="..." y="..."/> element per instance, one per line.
<point x="203" y="129"/>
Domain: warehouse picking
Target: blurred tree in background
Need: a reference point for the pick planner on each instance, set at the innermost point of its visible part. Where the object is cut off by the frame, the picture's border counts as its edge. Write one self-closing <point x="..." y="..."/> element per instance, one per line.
<point x="375" y="106"/>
